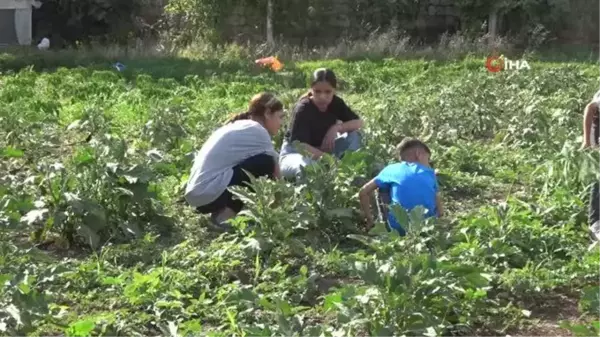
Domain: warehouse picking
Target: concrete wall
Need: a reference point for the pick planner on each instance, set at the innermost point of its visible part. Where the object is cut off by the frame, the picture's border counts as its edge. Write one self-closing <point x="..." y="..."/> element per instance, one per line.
<point x="21" y="13"/>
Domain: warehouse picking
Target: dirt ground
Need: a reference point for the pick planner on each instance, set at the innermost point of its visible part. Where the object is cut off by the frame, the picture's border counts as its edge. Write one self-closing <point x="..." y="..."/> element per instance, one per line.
<point x="545" y="319"/>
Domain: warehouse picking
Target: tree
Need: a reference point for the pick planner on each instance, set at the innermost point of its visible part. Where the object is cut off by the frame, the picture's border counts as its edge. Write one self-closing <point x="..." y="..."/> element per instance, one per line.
<point x="270" y="40"/>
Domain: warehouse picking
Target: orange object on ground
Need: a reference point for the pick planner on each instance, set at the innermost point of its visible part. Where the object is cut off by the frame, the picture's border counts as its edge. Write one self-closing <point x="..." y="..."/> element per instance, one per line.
<point x="275" y="64"/>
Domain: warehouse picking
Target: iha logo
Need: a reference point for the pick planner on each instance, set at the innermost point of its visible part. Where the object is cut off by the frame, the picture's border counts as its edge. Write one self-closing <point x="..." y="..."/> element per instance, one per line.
<point x="495" y="64"/>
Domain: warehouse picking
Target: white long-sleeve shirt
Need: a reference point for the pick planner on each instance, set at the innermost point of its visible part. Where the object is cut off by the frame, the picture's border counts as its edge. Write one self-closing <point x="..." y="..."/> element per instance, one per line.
<point x="225" y="148"/>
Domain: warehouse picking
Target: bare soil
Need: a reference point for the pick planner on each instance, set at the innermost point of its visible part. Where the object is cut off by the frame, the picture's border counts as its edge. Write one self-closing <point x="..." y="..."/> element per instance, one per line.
<point x="546" y="317"/>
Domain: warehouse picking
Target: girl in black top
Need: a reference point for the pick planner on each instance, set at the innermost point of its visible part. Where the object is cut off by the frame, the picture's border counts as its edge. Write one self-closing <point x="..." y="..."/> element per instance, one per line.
<point x="322" y="123"/>
<point x="591" y="122"/>
<point x="591" y="137"/>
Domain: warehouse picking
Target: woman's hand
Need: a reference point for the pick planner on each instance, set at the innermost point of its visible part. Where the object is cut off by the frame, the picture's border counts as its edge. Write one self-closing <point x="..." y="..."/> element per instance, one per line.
<point x="329" y="140"/>
<point x="277" y="172"/>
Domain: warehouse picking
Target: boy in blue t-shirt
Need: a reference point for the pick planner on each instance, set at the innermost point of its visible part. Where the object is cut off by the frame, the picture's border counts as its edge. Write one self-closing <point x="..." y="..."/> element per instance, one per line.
<point x="409" y="183"/>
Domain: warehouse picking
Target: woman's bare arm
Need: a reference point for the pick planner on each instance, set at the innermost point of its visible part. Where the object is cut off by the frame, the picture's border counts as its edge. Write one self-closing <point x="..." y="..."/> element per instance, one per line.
<point x="350" y="126"/>
<point x="588" y="116"/>
<point x="316" y="153"/>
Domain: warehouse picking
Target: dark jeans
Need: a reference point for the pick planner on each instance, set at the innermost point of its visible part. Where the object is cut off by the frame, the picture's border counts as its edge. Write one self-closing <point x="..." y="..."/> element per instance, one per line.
<point x="594" y="205"/>
<point x="261" y="165"/>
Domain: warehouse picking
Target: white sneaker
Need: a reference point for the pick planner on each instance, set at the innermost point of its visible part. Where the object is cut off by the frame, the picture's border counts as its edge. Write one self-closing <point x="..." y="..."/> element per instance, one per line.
<point x="595" y="230"/>
<point x="595" y="234"/>
<point x="219" y="220"/>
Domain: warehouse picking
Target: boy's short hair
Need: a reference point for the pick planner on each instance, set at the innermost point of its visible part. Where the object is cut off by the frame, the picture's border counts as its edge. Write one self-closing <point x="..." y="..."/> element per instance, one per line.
<point x="408" y="144"/>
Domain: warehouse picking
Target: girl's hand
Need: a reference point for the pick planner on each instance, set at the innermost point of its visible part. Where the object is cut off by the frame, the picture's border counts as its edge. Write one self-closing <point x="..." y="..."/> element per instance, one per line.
<point x="369" y="224"/>
<point x="329" y="139"/>
<point x="277" y="172"/>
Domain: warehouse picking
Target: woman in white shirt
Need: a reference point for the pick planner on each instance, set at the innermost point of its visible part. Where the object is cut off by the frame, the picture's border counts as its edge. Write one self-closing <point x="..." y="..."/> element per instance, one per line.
<point x="591" y="138"/>
<point x="244" y="143"/>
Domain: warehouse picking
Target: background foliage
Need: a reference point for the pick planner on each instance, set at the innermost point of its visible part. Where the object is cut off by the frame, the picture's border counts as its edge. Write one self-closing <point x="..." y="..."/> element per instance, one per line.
<point x="309" y="22"/>
<point x="94" y="240"/>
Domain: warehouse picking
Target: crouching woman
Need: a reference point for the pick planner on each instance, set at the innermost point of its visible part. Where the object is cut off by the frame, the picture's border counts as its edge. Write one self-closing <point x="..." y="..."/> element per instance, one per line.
<point x="243" y="144"/>
<point x="322" y="123"/>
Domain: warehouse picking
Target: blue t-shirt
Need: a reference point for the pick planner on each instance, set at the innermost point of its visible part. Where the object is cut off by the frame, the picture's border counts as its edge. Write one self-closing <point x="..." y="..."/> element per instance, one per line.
<point x="409" y="185"/>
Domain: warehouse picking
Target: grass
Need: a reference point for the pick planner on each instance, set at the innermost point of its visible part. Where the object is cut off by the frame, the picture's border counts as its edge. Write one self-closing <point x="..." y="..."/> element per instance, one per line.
<point x="96" y="242"/>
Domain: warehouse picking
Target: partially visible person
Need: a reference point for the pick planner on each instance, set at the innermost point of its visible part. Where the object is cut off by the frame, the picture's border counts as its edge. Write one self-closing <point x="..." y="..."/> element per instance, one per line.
<point x="410" y="183"/>
<point x="244" y="143"/>
<point x="322" y="123"/>
<point x="591" y="138"/>
<point x="591" y="122"/>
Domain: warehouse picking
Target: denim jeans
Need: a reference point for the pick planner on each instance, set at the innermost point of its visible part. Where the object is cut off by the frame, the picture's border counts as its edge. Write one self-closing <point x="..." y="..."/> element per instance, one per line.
<point x="594" y="210"/>
<point x="291" y="162"/>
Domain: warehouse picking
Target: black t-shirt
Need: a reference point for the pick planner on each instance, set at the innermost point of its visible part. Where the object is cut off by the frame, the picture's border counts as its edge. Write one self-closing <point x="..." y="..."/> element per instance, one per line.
<point x="596" y="125"/>
<point x="310" y="125"/>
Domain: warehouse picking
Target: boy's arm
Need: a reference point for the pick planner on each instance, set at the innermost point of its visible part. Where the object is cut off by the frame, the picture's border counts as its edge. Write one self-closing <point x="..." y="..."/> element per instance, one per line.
<point x="438" y="198"/>
<point x="438" y="205"/>
<point x="365" y="204"/>
<point x="384" y="200"/>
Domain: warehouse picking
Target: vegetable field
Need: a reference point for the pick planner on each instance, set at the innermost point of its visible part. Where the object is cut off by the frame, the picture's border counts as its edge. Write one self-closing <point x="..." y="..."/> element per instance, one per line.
<point x="96" y="241"/>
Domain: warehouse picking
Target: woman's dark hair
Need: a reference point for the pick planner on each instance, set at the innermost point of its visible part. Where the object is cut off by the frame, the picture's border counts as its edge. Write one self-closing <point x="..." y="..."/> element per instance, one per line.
<point x="258" y="106"/>
<point x="322" y="75"/>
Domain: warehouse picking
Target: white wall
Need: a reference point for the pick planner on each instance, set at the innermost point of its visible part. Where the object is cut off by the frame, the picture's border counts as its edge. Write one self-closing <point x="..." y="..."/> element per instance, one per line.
<point x="22" y="9"/>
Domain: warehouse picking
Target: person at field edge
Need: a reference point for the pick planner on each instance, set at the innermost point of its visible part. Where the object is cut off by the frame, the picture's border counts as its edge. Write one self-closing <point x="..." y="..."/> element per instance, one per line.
<point x="322" y="122"/>
<point x="591" y="138"/>
<point x="410" y="183"/>
<point x="243" y="143"/>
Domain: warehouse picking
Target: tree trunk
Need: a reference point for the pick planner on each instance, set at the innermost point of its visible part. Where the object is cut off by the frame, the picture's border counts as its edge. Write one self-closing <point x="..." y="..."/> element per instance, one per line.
<point x="270" y="40"/>
<point x="493" y="25"/>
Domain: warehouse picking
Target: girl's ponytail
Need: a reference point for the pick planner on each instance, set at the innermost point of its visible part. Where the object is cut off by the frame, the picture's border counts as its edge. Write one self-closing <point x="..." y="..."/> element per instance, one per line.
<point x="238" y="117"/>
<point x="259" y="105"/>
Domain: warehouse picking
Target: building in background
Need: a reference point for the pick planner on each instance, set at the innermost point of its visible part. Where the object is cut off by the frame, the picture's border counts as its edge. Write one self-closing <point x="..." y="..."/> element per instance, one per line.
<point x="15" y="22"/>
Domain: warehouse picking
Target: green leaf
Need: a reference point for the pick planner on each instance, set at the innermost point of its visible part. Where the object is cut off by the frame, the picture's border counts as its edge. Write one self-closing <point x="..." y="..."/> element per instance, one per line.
<point x="89" y="235"/>
<point x="173" y="329"/>
<point x="123" y="192"/>
<point x="331" y="300"/>
<point x="284" y="307"/>
<point x="266" y="304"/>
<point x="34" y="216"/>
<point x="246" y="294"/>
<point x="95" y="213"/>
<point x="400" y="215"/>
<point x="384" y="331"/>
<point x="380" y="228"/>
<point x="11" y="152"/>
<point x="15" y="313"/>
<point x="81" y="328"/>
<point x="339" y="213"/>
<point x="132" y="228"/>
<point x="252" y="244"/>
<point x="75" y="124"/>
<point x="430" y="332"/>
<point x="24" y="288"/>
<point x="367" y="241"/>
<point x="112" y="281"/>
<point x="5" y="278"/>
